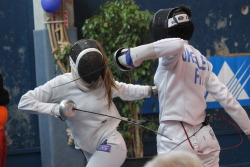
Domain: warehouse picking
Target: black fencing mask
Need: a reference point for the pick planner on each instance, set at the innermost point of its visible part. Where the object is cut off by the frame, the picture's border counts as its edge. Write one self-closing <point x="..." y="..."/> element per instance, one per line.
<point x="86" y="61"/>
<point x="157" y="26"/>
<point x="163" y="19"/>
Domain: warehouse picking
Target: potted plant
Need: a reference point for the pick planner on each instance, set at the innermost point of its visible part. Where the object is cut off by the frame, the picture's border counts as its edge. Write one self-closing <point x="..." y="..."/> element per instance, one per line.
<point x="121" y="24"/>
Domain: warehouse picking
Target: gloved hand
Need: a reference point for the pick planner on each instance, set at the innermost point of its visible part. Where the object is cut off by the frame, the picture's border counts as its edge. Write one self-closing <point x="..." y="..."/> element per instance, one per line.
<point x="66" y="109"/>
<point x="129" y="58"/>
<point x="121" y="65"/>
<point x="153" y="90"/>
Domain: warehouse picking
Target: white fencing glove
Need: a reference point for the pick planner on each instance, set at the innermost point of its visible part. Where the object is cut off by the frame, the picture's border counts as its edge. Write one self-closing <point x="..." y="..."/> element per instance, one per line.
<point x="154" y="90"/>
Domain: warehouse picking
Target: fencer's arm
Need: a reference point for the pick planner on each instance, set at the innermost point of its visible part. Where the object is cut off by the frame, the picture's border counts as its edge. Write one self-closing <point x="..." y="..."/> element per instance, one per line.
<point x="221" y="93"/>
<point x="43" y="100"/>
<point x="126" y="59"/>
<point x="131" y="92"/>
<point x="37" y="102"/>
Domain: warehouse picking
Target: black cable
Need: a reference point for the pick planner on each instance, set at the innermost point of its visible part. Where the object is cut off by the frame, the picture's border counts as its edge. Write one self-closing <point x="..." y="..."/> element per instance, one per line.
<point x="126" y="120"/>
<point x="187" y="138"/>
<point x="84" y="75"/>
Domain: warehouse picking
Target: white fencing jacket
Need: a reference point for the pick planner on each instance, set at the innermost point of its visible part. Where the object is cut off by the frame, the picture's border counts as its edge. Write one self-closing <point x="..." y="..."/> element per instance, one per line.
<point x="183" y="76"/>
<point x="88" y="130"/>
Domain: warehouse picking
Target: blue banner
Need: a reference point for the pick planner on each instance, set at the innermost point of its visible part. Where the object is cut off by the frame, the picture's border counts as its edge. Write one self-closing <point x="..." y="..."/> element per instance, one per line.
<point x="234" y="72"/>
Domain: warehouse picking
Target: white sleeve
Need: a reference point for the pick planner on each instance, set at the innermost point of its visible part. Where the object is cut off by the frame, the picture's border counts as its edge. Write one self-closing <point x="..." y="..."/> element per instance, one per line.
<point x="171" y="54"/>
<point x="168" y="47"/>
<point x="131" y="92"/>
<point x="37" y="101"/>
<point x="162" y="48"/>
<point x="221" y="93"/>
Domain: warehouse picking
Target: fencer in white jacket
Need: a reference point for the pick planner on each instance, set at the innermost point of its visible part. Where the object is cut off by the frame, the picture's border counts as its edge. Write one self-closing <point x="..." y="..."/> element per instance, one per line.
<point x="183" y="76"/>
<point x="95" y="135"/>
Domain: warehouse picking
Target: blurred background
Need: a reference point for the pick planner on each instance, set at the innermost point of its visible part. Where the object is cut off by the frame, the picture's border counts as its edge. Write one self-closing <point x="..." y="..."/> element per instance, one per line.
<point x="222" y="30"/>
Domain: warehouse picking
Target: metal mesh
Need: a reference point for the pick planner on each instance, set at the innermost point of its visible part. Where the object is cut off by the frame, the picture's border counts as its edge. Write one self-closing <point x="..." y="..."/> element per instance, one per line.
<point x="90" y="67"/>
<point x="91" y="64"/>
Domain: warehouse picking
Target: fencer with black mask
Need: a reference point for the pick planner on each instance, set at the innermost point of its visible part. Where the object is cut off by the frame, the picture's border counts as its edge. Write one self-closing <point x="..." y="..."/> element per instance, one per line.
<point x="90" y="87"/>
<point x="183" y="76"/>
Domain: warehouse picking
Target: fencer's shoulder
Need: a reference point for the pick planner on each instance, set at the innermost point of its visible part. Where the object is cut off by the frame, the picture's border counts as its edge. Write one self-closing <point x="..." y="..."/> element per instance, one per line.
<point x="64" y="76"/>
<point x="169" y="40"/>
<point x="61" y="78"/>
<point x="186" y="42"/>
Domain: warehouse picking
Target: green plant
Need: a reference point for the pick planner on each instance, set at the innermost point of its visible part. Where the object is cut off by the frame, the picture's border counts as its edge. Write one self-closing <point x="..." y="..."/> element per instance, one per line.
<point x="62" y="57"/>
<point x="121" y="24"/>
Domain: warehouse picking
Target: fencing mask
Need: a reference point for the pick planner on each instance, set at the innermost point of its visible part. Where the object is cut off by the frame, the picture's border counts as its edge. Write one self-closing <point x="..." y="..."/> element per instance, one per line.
<point x="87" y="63"/>
<point x="165" y="19"/>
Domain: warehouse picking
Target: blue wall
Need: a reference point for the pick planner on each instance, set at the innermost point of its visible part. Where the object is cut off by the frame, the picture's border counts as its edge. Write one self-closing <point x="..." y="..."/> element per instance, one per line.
<point x="221" y="27"/>
<point x="17" y="67"/>
<point x="18" y="70"/>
